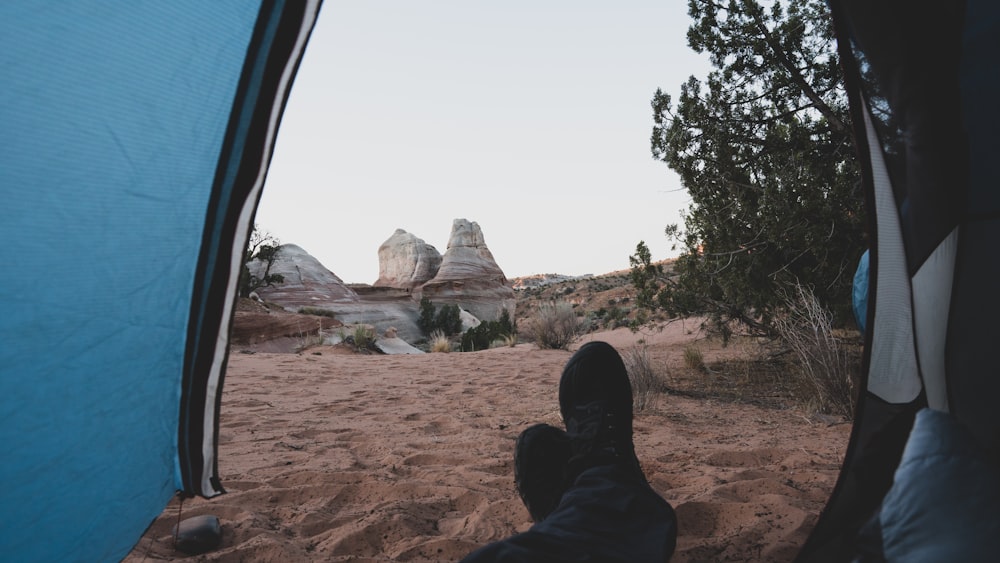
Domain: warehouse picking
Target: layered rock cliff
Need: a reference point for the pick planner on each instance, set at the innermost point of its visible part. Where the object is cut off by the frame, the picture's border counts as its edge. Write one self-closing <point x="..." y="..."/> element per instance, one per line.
<point x="469" y="275"/>
<point x="307" y="282"/>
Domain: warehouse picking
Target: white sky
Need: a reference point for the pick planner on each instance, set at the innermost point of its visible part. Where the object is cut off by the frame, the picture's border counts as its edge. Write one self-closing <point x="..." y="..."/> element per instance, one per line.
<point x="531" y="118"/>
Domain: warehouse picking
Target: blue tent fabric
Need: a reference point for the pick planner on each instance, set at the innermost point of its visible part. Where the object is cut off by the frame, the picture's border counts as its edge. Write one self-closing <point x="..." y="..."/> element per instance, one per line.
<point x="859" y="293"/>
<point x="135" y="139"/>
<point x="943" y="502"/>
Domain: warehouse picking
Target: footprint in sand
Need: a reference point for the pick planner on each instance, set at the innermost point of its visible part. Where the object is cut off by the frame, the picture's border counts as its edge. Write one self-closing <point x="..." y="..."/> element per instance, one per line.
<point x="749" y="458"/>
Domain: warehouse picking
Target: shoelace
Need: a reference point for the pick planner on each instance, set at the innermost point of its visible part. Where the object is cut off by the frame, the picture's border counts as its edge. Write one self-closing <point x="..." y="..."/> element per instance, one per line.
<point x="593" y="428"/>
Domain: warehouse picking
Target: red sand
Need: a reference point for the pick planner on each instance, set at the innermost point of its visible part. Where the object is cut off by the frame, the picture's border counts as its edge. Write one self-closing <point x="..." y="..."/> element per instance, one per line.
<point x="340" y="457"/>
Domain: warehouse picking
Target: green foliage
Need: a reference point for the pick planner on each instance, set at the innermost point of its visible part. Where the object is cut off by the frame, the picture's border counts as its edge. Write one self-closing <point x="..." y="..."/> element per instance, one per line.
<point x="447" y="319"/>
<point x="763" y="146"/>
<point x="363" y="338"/>
<point x="645" y="276"/>
<point x="427" y="312"/>
<point x="262" y="247"/>
<point x="316" y="311"/>
<point x="481" y="336"/>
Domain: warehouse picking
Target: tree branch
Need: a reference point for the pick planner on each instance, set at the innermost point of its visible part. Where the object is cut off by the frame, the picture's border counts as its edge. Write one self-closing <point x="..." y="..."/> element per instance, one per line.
<point x="796" y="76"/>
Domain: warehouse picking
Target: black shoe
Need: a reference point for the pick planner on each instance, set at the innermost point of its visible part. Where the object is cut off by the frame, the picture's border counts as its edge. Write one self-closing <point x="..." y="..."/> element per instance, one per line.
<point x="540" y="459"/>
<point x="595" y="398"/>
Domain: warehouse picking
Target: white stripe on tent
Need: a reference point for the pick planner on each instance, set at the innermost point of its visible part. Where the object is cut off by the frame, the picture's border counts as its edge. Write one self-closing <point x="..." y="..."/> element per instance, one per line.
<point x="239" y="244"/>
<point x="892" y="373"/>
<point x="931" y="303"/>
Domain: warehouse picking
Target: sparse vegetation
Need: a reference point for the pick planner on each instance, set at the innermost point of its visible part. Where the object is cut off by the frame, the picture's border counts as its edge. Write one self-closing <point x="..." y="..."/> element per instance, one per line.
<point x="754" y="372"/>
<point x="556" y="325"/>
<point x="598" y="299"/>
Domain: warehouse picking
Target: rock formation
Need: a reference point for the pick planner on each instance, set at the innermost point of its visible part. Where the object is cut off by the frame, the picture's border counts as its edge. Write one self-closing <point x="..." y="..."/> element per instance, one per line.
<point x="405" y="261"/>
<point x="307" y="282"/>
<point x="469" y="275"/>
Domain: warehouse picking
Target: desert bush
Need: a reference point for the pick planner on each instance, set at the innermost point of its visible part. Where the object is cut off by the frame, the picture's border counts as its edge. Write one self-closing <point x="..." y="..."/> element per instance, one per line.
<point x="316" y="311"/>
<point x="483" y="335"/>
<point x="426" y="319"/>
<point x="694" y="359"/>
<point x="646" y="383"/>
<point x="555" y="325"/>
<point x="363" y="338"/>
<point x="824" y="362"/>
<point x="447" y="319"/>
<point x="439" y="342"/>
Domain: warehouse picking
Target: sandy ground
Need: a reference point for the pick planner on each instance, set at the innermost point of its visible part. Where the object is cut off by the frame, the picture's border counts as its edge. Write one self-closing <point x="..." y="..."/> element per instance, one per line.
<point x="334" y="456"/>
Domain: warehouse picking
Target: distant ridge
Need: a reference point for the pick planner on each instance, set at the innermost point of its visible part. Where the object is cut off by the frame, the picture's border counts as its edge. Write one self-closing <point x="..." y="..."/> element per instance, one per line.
<point x="541" y="280"/>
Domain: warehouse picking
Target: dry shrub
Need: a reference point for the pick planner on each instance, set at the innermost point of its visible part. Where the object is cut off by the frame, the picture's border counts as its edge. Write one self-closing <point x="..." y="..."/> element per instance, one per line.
<point x="555" y="325"/>
<point x="646" y="382"/>
<point x="825" y="364"/>
<point x="309" y="340"/>
<point x="439" y="342"/>
<point x="693" y="358"/>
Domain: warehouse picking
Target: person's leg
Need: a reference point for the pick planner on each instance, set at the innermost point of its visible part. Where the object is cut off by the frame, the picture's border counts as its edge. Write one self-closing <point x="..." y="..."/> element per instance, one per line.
<point x="606" y="515"/>
<point x="608" y="512"/>
<point x="595" y="399"/>
<point x="540" y="463"/>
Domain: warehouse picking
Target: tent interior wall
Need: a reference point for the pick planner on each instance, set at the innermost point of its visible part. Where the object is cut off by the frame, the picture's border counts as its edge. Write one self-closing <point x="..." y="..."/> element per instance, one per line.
<point x="922" y="84"/>
<point x="154" y="126"/>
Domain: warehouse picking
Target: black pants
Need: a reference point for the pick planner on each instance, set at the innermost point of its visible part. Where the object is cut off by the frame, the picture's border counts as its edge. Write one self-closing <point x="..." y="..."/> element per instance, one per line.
<point x="607" y="515"/>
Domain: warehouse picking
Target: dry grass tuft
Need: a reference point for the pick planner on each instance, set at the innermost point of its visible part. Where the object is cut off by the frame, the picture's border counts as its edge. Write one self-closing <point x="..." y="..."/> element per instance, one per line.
<point x="362" y="338"/>
<point x="646" y="382"/>
<point x="309" y="340"/>
<point x="318" y="312"/>
<point x="693" y="358"/>
<point x="439" y="342"/>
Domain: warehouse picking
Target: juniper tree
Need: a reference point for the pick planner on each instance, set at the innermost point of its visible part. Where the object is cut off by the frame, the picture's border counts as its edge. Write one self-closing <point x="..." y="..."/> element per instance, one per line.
<point x="263" y="247"/>
<point x="763" y="145"/>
